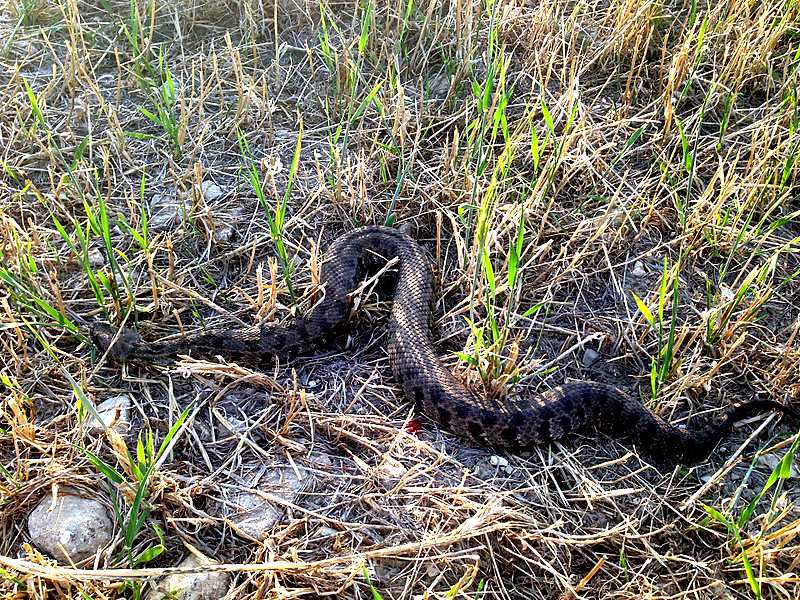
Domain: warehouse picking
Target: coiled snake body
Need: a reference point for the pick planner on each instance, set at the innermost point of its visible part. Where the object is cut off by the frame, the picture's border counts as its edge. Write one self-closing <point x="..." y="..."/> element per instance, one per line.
<point x="423" y="377"/>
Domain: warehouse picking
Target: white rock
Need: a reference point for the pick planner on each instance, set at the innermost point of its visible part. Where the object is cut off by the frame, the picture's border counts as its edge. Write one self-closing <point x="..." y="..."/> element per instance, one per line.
<point x="392" y="468"/>
<point x="638" y="269"/>
<point x="223" y="232"/>
<point x="252" y="513"/>
<point x="211" y="191"/>
<point x="498" y="461"/>
<point x="73" y="524"/>
<point x="324" y="532"/>
<point x="590" y="357"/>
<point x="96" y="257"/>
<point x="167" y="211"/>
<point x="114" y="414"/>
<point x="208" y="585"/>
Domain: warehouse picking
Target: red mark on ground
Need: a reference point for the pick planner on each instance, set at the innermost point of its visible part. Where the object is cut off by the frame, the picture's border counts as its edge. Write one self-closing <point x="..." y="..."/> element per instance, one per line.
<point x="414" y="426"/>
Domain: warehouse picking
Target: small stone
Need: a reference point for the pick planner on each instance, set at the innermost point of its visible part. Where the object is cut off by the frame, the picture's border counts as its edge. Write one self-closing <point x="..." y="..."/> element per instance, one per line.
<point x="509" y="470"/>
<point x="773" y="460"/>
<point x="252" y="513"/>
<point x="96" y="258"/>
<point x="113" y="414"/>
<point x="392" y="468"/>
<point x="325" y="532"/>
<point x="211" y="191"/>
<point x="71" y="527"/>
<point x="167" y="211"/>
<point x="590" y="357"/>
<point x="224" y="232"/>
<point x="438" y="86"/>
<point x="638" y="269"/>
<point x="209" y="585"/>
<point x="498" y="461"/>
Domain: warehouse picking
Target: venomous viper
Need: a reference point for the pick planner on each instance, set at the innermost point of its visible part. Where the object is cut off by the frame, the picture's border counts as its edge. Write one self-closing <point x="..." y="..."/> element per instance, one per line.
<point x="423" y="377"/>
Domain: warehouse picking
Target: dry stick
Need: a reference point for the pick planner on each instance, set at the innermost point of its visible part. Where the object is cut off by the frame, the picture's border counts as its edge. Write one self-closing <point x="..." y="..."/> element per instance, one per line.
<point x="195" y="296"/>
<point x="67" y="575"/>
<point x="725" y="468"/>
<point x="570" y="350"/>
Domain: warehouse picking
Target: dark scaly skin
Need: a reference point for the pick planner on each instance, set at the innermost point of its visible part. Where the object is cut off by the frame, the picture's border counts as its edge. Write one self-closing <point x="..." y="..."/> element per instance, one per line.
<point x="423" y="377"/>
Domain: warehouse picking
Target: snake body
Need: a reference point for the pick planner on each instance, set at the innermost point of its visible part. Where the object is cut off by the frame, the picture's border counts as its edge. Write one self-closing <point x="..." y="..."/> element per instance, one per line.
<point x="427" y="381"/>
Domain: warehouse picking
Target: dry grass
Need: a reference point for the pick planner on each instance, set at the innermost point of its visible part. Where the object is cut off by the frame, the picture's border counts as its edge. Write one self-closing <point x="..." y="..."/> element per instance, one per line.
<point x="646" y="147"/>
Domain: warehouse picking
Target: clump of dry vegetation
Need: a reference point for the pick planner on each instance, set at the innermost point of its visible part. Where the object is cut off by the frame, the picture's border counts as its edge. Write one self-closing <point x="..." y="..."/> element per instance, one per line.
<point x="607" y="190"/>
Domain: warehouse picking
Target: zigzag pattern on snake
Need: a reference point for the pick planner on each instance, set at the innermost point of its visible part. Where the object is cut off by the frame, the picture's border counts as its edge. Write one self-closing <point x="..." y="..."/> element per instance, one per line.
<point x="425" y="380"/>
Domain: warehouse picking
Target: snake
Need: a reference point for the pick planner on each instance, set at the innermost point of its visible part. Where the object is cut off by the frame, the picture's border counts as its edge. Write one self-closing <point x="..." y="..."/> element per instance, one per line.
<point x="514" y="424"/>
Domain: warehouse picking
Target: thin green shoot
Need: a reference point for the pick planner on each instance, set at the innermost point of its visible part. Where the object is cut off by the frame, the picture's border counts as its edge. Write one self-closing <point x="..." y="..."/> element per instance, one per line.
<point x="376" y="595"/>
<point x="662" y="362"/>
<point x="276" y="218"/>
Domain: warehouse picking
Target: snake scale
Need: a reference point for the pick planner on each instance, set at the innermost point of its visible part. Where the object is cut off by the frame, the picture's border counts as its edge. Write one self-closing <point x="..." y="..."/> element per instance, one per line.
<point x="425" y="379"/>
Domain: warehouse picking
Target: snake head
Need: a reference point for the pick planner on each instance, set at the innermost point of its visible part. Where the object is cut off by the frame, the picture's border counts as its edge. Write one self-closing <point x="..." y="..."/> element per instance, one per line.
<point x="120" y="349"/>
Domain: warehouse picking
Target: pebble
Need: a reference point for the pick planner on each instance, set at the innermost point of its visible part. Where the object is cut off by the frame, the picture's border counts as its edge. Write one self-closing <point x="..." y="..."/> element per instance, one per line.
<point x="772" y="460"/>
<point x="211" y="191"/>
<point x="224" y="232"/>
<point x="211" y="585"/>
<point x="73" y="524"/>
<point x="114" y="414"/>
<point x="498" y="461"/>
<point x="253" y="514"/>
<point x="96" y="258"/>
<point x="167" y="211"/>
<point x="638" y="269"/>
<point x="590" y="357"/>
